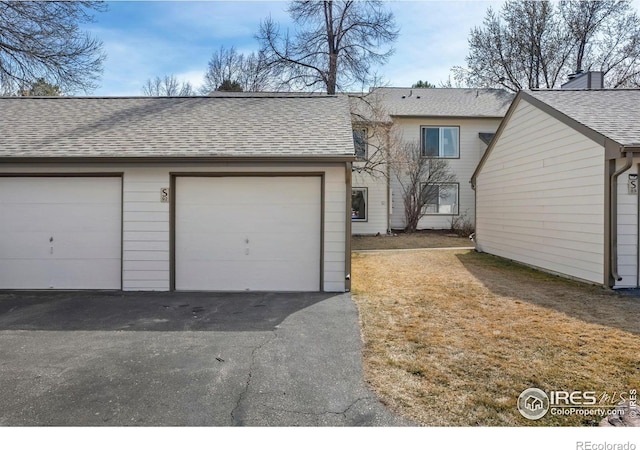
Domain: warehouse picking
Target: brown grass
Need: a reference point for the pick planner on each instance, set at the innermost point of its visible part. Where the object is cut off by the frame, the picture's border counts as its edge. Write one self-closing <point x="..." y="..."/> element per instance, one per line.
<point x="453" y="337"/>
<point x="420" y="239"/>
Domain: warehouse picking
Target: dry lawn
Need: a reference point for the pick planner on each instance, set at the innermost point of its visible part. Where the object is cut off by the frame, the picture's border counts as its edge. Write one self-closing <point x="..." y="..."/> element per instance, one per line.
<point x="453" y="337"/>
<point x="420" y="239"/>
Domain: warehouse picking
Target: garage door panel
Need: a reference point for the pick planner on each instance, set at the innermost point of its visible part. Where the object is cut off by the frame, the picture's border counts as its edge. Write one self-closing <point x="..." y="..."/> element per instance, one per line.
<point x="54" y="274"/>
<point x="243" y="190"/>
<point x="242" y="275"/>
<point x="234" y="247"/>
<point x="65" y="245"/>
<point x="215" y="217"/>
<point x="60" y="232"/>
<point x="61" y="190"/>
<point x="56" y="218"/>
<point x="225" y="218"/>
<point x="221" y="225"/>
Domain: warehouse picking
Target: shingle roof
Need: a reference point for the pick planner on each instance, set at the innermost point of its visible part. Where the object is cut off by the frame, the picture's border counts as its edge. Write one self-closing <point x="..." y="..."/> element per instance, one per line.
<point x="613" y="113"/>
<point x="301" y="126"/>
<point x="445" y="102"/>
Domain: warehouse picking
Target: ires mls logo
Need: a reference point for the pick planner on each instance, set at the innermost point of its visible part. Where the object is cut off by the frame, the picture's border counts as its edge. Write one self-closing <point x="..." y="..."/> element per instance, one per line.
<point x="575" y="398"/>
<point x="533" y="403"/>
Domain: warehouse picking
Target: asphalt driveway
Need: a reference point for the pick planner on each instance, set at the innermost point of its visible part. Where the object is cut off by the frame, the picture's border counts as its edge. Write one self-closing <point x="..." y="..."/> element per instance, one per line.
<point x="194" y="359"/>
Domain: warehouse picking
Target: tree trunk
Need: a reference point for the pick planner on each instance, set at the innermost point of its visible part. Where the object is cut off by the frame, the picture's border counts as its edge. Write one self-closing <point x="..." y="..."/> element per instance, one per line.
<point x="332" y="73"/>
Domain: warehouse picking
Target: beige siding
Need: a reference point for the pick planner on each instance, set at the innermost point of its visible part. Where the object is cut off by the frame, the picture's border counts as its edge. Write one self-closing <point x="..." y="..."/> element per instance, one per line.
<point x="540" y="197"/>
<point x="146" y="232"/>
<point x="471" y="150"/>
<point x="376" y="204"/>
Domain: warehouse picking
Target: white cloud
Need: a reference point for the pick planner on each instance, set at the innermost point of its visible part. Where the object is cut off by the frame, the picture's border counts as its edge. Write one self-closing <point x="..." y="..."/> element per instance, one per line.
<point x="194" y="77"/>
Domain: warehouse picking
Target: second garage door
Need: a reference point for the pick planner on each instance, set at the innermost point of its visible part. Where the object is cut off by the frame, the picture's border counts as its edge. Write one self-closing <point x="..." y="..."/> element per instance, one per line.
<point x="248" y="233"/>
<point x="60" y="232"/>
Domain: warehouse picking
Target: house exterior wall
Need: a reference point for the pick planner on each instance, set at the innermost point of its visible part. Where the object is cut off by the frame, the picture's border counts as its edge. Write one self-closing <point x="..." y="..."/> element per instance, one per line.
<point x="627" y="228"/>
<point x="471" y="150"/>
<point x="377" y="206"/>
<point x="540" y="197"/>
<point x="146" y="220"/>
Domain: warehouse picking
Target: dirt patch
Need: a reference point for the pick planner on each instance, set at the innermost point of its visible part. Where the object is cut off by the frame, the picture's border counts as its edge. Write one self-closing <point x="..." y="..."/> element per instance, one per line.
<point x="420" y="239"/>
<point x="454" y="337"/>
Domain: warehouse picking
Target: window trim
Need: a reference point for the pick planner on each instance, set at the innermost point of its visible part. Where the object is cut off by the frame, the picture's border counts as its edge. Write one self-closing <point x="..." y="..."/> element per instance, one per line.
<point x="457" y="213"/>
<point x="439" y="127"/>
<point x="366" y="204"/>
<point x="365" y="132"/>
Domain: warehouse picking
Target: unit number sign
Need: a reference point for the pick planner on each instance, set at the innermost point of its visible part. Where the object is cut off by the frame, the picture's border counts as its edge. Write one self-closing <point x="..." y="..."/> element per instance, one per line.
<point x="164" y="195"/>
<point x="632" y="184"/>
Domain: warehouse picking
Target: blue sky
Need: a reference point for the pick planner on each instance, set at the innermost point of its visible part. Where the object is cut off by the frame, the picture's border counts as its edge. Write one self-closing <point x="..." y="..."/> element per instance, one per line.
<point x="152" y="38"/>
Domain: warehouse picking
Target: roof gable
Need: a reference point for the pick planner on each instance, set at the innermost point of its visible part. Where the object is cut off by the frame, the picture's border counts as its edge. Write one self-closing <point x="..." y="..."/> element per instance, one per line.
<point x="607" y="116"/>
<point x="612" y="113"/>
<point x="177" y="127"/>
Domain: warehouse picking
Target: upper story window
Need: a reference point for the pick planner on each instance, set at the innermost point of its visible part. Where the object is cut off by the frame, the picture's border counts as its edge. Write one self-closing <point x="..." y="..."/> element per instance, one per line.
<point x="440" y="142"/>
<point x="360" y="143"/>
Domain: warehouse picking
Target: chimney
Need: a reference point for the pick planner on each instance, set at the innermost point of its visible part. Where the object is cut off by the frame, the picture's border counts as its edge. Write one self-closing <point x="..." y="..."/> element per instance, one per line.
<point x="584" y="80"/>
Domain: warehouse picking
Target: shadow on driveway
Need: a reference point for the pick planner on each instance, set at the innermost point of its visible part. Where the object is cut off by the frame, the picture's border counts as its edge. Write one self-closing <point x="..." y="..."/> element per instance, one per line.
<point x="149" y="311"/>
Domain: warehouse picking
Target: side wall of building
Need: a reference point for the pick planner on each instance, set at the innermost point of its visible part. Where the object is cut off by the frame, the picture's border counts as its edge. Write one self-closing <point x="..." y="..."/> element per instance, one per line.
<point x="377" y="206"/>
<point x="540" y="196"/>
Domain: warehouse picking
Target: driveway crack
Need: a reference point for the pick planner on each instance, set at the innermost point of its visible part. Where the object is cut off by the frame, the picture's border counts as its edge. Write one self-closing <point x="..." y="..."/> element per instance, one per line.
<point x="241" y="397"/>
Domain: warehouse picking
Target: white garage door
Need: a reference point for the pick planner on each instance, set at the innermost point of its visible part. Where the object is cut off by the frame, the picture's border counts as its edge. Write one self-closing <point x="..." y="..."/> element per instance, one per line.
<point x="60" y="233"/>
<point x="247" y="233"/>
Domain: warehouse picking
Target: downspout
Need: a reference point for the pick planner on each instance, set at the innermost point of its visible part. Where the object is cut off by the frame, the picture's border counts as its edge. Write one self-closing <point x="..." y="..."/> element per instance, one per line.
<point x="389" y="200"/>
<point x="613" y="192"/>
<point x="347" y="244"/>
<point x="388" y="175"/>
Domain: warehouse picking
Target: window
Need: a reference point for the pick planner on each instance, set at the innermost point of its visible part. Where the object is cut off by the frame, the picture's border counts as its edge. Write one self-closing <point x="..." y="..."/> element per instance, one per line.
<point x="440" y="142"/>
<point x="359" y="204"/>
<point x="360" y="143"/>
<point x="442" y="198"/>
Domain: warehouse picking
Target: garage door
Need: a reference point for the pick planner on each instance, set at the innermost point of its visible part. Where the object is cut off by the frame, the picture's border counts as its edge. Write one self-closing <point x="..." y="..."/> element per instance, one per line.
<point x="60" y="233"/>
<point x="247" y="233"/>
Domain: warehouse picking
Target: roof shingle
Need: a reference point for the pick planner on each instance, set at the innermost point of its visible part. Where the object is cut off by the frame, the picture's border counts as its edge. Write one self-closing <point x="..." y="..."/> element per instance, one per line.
<point x="297" y="126"/>
<point x="446" y="102"/>
<point x="613" y="113"/>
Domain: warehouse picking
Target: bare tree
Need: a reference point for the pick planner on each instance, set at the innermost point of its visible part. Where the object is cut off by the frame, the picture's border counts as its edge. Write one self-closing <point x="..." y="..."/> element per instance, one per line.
<point x="607" y="38"/>
<point x="535" y="44"/>
<point x="336" y="44"/>
<point x="423" y="181"/>
<point x="167" y="86"/>
<point x="227" y="68"/>
<point x="522" y="48"/>
<point x="373" y="133"/>
<point x="42" y="39"/>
